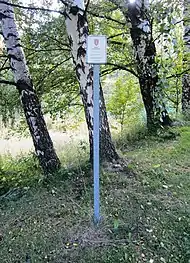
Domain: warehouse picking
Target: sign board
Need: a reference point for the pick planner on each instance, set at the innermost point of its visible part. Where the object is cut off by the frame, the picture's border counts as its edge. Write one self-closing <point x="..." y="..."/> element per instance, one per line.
<point x="96" y="49"/>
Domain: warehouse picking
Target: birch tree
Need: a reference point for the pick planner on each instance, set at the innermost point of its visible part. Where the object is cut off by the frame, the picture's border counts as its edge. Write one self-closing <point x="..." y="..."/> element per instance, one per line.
<point x="32" y="109"/>
<point x="138" y="18"/>
<point x="186" y="76"/>
<point x="77" y="30"/>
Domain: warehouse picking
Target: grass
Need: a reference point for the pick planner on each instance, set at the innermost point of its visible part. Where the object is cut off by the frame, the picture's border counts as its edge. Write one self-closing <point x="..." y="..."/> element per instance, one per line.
<point x="145" y="217"/>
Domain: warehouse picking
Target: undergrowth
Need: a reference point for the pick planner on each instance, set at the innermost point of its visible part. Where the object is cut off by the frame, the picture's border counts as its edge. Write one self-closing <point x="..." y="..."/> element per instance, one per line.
<point x="18" y="172"/>
<point x="145" y="214"/>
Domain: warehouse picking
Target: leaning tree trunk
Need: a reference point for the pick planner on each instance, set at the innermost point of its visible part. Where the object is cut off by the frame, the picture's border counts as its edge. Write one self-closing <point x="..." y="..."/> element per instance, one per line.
<point x="31" y="105"/>
<point x="77" y="29"/>
<point x="145" y="52"/>
<point x="186" y="76"/>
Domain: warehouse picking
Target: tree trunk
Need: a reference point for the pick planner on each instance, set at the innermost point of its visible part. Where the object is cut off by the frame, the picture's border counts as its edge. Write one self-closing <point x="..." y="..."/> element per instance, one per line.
<point x="31" y="105"/>
<point x="186" y="77"/>
<point x="145" y="52"/>
<point x="186" y="94"/>
<point x="77" y="29"/>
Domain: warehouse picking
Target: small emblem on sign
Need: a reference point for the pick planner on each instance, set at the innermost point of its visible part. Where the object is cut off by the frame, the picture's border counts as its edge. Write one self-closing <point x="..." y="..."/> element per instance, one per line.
<point x="96" y="42"/>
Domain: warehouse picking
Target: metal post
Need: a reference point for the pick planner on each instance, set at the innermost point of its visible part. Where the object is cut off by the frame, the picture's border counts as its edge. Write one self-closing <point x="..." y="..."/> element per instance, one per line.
<point x="96" y="125"/>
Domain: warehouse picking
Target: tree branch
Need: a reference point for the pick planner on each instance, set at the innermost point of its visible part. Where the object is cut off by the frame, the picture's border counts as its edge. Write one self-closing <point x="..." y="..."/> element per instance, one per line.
<point x="4" y="68"/>
<point x="5" y="62"/>
<point x="117" y="35"/>
<point x="3" y="56"/>
<point x="4" y="81"/>
<point x="107" y="18"/>
<point x="86" y="8"/>
<point x="116" y="43"/>
<point x="34" y="8"/>
<point x="60" y="44"/>
<point x="44" y="50"/>
<point x="123" y="67"/>
<point x="64" y="13"/>
<point x="47" y="50"/>
<point x="178" y="74"/>
<point x="48" y="72"/>
<point x="108" y="71"/>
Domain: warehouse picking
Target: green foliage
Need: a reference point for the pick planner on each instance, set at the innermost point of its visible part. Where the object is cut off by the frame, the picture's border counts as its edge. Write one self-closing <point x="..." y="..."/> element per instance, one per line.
<point x="170" y="65"/>
<point x="131" y="136"/>
<point x="47" y="52"/>
<point x="168" y="34"/>
<point x="24" y="170"/>
<point x="9" y="104"/>
<point x="125" y="103"/>
<point x="18" y="172"/>
<point x="9" y="97"/>
<point x="49" y="59"/>
<point x="46" y="46"/>
<point x="75" y="155"/>
<point x="186" y="115"/>
<point x="120" y="48"/>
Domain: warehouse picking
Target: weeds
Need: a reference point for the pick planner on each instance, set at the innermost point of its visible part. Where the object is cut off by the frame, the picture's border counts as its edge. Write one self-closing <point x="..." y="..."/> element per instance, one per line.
<point x="145" y="218"/>
<point x="18" y="172"/>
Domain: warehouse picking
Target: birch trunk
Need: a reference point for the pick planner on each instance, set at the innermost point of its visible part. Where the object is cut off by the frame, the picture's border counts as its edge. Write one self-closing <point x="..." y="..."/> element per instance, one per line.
<point x="186" y="77"/>
<point x="31" y="105"/>
<point x="145" y="53"/>
<point x="77" y="29"/>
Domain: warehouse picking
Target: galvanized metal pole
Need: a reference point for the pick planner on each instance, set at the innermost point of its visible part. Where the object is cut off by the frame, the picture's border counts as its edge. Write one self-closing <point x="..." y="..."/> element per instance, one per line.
<point x="96" y="135"/>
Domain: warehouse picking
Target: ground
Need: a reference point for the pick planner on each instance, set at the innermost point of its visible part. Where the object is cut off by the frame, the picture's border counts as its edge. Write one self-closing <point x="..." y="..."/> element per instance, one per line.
<point x="145" y="208"/>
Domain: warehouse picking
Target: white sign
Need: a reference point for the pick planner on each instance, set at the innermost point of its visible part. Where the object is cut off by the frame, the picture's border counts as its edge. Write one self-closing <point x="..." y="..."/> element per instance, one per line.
<point x="96" y="49"/>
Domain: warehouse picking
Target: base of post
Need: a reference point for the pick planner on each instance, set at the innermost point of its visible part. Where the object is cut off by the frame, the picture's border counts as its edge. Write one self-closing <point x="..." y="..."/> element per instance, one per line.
<point x="97" y="221"/>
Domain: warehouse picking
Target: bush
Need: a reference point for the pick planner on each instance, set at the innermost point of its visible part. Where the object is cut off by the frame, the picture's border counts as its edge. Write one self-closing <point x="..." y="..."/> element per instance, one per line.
<point x="131" y="136"/>
<point x="18" y="172"/>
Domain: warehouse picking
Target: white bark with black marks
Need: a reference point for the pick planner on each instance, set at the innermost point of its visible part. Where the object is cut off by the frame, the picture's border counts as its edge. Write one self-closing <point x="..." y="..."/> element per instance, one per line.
<point x="31" y="105"/>
<point x="145" y="53"/>
<point x="77" y="29"/>
<point x="186" y="77"/>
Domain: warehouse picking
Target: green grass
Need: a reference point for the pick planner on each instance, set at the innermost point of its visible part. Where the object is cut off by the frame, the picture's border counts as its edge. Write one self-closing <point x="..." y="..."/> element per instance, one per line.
<point x="22" y="171"/>
<point x="145" y="217"/>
